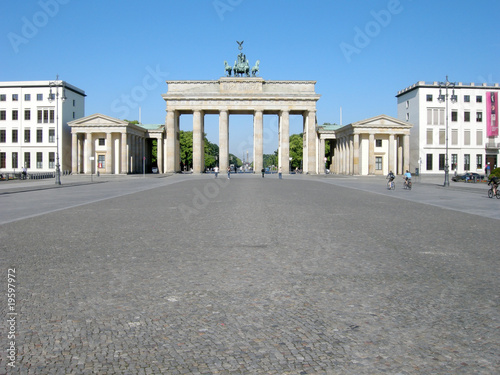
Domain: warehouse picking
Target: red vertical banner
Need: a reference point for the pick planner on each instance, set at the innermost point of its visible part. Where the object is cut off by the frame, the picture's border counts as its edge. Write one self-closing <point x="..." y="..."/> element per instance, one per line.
<point x="492" y="114"/>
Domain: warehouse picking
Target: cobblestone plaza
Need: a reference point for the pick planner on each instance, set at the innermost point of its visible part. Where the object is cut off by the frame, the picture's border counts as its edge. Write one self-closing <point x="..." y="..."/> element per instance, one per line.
<point x="194" y="275"/>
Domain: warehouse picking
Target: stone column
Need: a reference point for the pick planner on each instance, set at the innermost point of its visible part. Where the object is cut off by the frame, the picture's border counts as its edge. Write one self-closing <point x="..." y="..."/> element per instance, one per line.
<point x="321" y="156"/>
<point x="350" y="159"/>
<point x="406" y="151"/>
<point x="311" y="142"/>
<point x="172" y="159"/>
<point x="224" y="140"/>
<point x="371" y="154"/>
<point x="355" y="166"/>
<point x="285" y="141"/>
<point x="400" y="157"/>
<point x="74" y="153"/>
<point x="258" y="141"/>
<point x="108" y="167"/>
<point x="159" y="153"/>
<point x="391" y="153"/>
<point x="198" y="150"/>
<point x="124" y="153"/>
<point x="89" y="152"/>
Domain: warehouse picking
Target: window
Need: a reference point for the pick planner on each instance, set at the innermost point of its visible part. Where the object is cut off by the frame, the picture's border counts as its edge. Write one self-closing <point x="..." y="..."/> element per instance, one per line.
<point x="3" y="115"/>
<point x="441" y="162"/>
<point x="39" y="160"/>
<point x="467" y="98"/>
<point x="15" y="160"/>
<point x="378" y="143"/>
<point x="428" y="97"/>
<point x="454" y="137"/>
<point x="3" y="135"/>
<point x="378" y="163"/>
<point x="429" y="136"/>
<point x="74" y="102"/>
<point x="27" y="135"/>
<point x="15" y="97"/>
<point x="466" y="137"/>
<point x="27" y="160"/>
<point x="479" y="99"/>
<point x="39" y="135"/>
<point x="45" y="116"/>
<point x="52" y="160"/>
<point x="479" y="161"/>
<point x="3" y="158"/>
<point x="466" y="162"/>
<point x="3" y="97"/>
<point x="428" y="164"/>
<point x="102" y="141"/>
<point x="101" y="161"/>
<point x="479" y="116"/>
<point x="407" y="117"/>
<point x="52" y="97"/>
<point x="442" y="137"/>
<point x="454" y="161"/>
<point x="454" y="116"/>
<point x="407" y="104"/>
<point x="466" y="116"/>
<point x="479" y="137"/>
<point x="14" y="135"/>
<point x="15" y="114"/>
<point x="27" y="97"/>
<point x="27" y="114"/>
<point x="39" y="97"/>
<point x="52" y="135"/>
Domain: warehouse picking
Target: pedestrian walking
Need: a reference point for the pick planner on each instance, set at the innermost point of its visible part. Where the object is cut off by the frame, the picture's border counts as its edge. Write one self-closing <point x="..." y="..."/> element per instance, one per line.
<point x="216" y="170"/>
<point x="280" y="173"/>
<point x="263" y="171"/>
<point x="228" y="173"/>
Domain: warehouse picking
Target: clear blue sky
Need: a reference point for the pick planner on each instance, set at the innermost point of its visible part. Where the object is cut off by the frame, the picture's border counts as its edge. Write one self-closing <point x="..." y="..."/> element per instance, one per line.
<point x="359" y="52"/>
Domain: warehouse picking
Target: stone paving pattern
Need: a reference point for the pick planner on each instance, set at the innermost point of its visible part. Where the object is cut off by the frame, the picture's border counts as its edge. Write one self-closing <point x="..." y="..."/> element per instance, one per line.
<point x="254" y="276"/>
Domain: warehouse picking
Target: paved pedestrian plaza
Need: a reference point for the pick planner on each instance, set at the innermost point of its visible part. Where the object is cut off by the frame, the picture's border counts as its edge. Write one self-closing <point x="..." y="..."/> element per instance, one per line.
<point x="189" y="274"/>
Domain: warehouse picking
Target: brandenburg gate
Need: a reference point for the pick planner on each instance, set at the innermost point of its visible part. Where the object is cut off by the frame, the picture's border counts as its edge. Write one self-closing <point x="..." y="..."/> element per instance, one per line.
<point x="240" y="94"/>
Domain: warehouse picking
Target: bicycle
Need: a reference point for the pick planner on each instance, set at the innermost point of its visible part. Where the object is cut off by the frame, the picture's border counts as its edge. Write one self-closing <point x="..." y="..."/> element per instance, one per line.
<point x="391" y="185"/>
<point x="490" y="191"/>
<point x="407" y="184"/>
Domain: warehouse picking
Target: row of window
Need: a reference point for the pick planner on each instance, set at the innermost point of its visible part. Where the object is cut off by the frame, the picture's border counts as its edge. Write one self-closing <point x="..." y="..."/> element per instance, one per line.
<point x="436" y="116"/>
<point x="16" y="163"/>
<point x="454" y="137"/>
<point x="44" y="116"/>
<point x="27" y="135"/>
<point x="479" y="98"/>
<point x="27" y="98"/>
<point x="454" y="162"/>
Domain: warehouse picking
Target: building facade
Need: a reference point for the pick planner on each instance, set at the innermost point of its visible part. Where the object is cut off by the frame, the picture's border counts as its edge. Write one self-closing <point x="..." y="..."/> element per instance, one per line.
<point x="373" y="146"/>
<point x="473" y="139"/>
<point x="112" y="146"/>
<point x="34" y="124"/>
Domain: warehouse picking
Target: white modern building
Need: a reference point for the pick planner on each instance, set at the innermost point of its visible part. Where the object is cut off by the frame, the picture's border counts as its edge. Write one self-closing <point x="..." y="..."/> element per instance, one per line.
<point x="33" y="124"/>
<point x="473" y="138"/>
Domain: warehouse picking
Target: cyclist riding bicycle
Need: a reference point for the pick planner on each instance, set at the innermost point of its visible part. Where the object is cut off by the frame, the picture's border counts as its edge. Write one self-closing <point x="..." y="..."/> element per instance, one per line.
<point x="407" y="177"/>
<point x="494" y="183"/>
<point x="390" y="176"/>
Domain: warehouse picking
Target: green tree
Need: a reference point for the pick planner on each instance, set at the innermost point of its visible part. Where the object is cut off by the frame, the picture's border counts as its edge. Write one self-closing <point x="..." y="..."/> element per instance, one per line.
<point x="270" y="159"/>
<point x="186" y="146"/>
<point x="296" y="149"/>
<point x="211" y="153"/>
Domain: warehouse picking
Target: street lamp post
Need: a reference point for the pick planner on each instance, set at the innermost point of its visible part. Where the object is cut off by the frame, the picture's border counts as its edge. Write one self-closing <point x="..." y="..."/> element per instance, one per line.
<point x="56" y="84"/>
<point x="442" y="98"/>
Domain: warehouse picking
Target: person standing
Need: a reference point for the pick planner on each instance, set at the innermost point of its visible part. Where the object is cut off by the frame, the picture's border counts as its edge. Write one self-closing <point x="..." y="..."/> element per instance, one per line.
<point x="228" y="173"/>
<point x="216" y="170"/>
<point x="280" y="173"/>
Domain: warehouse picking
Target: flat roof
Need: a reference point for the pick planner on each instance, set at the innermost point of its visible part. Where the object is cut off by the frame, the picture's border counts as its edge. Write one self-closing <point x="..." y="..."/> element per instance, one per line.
<point x="23" y="84"/>
<point x="458" y="85"/>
